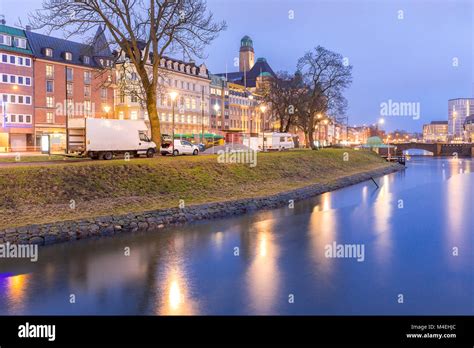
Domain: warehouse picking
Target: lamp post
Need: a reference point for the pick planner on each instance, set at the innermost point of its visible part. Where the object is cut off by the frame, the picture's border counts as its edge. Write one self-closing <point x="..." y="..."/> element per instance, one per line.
<point x="216" y="109"/>
<point x="106" y="110"/>
<point x="173" y="96"/>
<point x="263" y="108"/>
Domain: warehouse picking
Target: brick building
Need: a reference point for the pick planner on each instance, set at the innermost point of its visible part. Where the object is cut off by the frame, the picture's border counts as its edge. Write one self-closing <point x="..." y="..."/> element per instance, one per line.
<point x="16" y="90"/>
<point x="72" y="80"/>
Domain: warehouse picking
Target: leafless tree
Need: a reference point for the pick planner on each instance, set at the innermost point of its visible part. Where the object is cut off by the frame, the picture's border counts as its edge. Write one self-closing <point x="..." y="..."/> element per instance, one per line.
<point x="282" y="94"/>
<point x="142" y="30"/>
<point x="325" y="78"/>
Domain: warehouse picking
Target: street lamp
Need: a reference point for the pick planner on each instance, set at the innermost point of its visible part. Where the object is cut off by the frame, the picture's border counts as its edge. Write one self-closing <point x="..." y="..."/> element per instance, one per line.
<point x="106" y="110"/>
<point x="263" y="108"/>
<point x="173" y="96"/>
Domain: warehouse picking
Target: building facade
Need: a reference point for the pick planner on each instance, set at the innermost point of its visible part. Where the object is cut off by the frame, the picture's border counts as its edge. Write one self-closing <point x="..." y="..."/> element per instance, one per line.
<point x="436" y="131"/>
<point x="72" y="81"/>
<point x="190" y="82"/>
<point x="458" y="110"/>
<point x="469" y="129"/>
<point x="218" y="104"/>
<point x="16" y="89"/>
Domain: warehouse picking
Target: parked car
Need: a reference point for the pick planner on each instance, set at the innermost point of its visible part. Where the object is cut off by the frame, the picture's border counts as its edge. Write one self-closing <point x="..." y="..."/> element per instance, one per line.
<point x="181" y="147"/>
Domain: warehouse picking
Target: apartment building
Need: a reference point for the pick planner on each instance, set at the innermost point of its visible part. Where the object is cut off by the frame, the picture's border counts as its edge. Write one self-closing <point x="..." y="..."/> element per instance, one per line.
<point x="458" y="110"/>
<point x="435" y="131"/>
<point x="190" y="82"/>
<point x="72" y="80"/>
<point x="16" y="90"/>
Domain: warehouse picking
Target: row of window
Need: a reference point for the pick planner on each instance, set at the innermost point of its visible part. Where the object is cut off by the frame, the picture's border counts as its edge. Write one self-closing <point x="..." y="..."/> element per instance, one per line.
<point x="16" y="79"/>
<point x="16" y="60"/>
<point x="16" y="99"/>
<point x="7" y="40"/>
<point x="181" y="84"/>
<point x="182" y="119"/>
<point x="25" y="119"/>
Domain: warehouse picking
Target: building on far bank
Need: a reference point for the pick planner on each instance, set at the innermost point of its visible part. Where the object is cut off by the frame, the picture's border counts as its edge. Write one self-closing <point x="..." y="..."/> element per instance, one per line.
<point x="435" y="131"/>
<point x="16" y="90"/>
<point x="469" y="129"/>
<point x="72" y="81"/>
<point x="458" y="110"/>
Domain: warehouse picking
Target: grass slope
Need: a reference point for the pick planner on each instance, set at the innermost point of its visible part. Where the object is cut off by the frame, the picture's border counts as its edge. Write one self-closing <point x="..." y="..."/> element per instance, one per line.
<point x="40" y="194"/>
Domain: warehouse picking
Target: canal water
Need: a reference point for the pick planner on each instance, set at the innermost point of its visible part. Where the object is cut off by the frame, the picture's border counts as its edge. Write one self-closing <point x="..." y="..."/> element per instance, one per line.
<point x="415" y="231"/>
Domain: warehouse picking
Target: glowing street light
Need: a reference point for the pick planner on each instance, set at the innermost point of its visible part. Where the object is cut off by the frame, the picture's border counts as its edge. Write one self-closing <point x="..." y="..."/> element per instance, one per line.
<point x="263" y="108"/>
<point x="173" y="96"/>
<point x="106" y="110"/>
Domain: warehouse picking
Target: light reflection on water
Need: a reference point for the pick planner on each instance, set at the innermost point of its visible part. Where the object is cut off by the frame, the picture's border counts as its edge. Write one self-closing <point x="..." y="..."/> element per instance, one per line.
<point x="252" y="264"/>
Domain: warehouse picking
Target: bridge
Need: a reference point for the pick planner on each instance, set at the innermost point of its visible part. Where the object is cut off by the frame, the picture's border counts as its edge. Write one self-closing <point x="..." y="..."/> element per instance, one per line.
<point x="438" y="149"/>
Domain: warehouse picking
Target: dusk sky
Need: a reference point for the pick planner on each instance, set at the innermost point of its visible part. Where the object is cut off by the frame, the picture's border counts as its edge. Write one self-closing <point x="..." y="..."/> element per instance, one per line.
<point x="412" y="59"/>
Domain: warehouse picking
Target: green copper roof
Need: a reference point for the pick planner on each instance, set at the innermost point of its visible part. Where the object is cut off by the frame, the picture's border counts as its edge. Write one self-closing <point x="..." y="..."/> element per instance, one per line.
<point x="246" y="41"/>
<point x="4" y="29"/>
<point x="261" y="60"/>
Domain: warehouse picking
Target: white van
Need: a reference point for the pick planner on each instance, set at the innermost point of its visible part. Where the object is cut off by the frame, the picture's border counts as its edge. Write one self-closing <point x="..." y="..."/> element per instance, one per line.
<point x="276" y="142"/>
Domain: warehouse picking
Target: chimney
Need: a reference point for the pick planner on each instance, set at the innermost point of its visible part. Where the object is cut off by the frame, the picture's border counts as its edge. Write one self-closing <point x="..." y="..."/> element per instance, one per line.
<point x="28" y="28"/>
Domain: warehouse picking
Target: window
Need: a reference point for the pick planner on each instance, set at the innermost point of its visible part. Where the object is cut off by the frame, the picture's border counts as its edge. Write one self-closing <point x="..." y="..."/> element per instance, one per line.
<point x="121" y="115"/>
<point x="28" y="118"/>
<point x="12" y="60"/>
<point x="27" y="61"/>
<point x="4" y="58"/>
<point x="87" y="60"/>
<point x="68" y="55"/>
<point x="13" y="118"/>
<point x="20" y="118"/>
<point x="12" y="79"/>
<point x="5" y="78"/>
<point x="48" y="52"/>
<point x="21" y="81"/>
<point x="143" y="136"/>
<point x="27" y="100"/>
<point x="122" y="98"/>
<point x="20" y="42"/>
<point x="6" y="40"/>
<point x="69" y="74"/>
<point x="134" y="98"/>
<point x="134" y="115"/>
<point x="103" y="93"/>
<point x="13" y="99"/>
<point x="20" y="60"/>
<point x="49" y="86"/>
<point x="49" y="117"/>
<point x="87" y="91"/>
<point x="69" y="89"/>
<point x="49" y="71"/>
<point x="87" y="108"/>
<point x="20" y="99"/>
<point x="193" y="103"/>
<point x="87" y="77"/>
<point x="50" y="102"/>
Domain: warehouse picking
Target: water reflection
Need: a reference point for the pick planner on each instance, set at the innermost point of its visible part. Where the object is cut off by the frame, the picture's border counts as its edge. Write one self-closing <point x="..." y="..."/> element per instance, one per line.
<point x="196" y="270"/>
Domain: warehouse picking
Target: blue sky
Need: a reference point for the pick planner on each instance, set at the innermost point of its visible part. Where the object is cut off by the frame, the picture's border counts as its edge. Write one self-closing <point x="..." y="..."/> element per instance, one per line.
<point x="403" y="60"/>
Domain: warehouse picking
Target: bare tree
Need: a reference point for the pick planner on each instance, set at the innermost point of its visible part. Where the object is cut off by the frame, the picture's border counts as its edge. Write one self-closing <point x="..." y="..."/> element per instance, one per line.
<point x="325" y="78"/>
<point x="282" y="94"/>
<point x="142" y="30"/>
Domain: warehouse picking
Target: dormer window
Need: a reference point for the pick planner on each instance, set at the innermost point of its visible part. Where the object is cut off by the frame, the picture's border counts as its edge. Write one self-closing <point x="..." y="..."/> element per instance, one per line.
<point x="48" y="52"/>
<point x="20" y="42"/>
<point x="5" y="40"/>
<point x="86" y="60"/>
<point x="68" y="55"/>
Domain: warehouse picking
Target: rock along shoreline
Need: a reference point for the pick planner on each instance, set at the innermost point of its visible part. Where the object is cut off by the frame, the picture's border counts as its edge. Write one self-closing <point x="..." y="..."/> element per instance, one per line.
<point x="63" y="231"/>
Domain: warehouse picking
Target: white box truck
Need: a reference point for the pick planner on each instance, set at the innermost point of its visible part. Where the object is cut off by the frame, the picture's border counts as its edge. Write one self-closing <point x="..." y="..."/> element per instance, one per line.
<point x="104" y="138"/>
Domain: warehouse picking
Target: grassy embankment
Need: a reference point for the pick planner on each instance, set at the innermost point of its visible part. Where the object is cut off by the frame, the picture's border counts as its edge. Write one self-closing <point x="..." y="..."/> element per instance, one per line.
<point x="38" y="158"/>
<point x="41" y="194"/>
